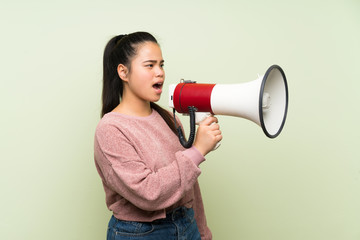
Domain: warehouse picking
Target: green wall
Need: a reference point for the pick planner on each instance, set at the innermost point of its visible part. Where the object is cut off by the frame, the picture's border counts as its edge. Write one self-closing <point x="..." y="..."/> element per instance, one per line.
<point x="305" y="184"/>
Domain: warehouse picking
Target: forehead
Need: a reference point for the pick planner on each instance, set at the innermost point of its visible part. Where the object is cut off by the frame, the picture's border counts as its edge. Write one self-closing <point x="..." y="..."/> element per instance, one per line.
<point x="148" y="51"/>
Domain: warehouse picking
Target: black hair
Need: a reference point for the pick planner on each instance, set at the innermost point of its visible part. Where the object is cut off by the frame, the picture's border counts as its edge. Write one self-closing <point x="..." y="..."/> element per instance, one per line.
<point x="120" y="50"/>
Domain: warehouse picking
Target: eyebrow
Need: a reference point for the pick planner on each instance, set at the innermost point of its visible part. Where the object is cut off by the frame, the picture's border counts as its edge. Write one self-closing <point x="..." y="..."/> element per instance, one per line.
<point x="153" y="61"/>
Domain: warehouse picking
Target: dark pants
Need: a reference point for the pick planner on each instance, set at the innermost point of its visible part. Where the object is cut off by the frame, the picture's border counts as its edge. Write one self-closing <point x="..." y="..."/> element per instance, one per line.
<point x="179" y="224"/>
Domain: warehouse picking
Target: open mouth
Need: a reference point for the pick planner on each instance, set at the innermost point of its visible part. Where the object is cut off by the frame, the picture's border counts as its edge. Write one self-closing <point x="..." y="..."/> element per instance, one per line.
<point x="158" y="85"/>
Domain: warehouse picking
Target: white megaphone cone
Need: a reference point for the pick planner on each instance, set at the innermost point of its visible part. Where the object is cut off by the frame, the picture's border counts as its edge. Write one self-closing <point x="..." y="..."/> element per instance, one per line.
<point x="263" y="101"/>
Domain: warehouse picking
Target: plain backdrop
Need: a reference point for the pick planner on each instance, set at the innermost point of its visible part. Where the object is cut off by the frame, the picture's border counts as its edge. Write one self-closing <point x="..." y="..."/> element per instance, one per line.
<point x="305" y="184"/>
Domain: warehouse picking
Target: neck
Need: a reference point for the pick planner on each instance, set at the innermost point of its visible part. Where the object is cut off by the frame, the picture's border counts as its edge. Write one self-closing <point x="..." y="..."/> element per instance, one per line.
<point x="139" y="109"/>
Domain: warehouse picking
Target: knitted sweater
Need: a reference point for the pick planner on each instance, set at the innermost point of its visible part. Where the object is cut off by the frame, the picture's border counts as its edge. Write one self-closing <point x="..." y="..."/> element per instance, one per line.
<point x="145" y="171"/>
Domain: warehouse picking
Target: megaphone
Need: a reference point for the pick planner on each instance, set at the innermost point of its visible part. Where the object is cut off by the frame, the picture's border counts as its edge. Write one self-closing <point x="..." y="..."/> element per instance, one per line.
<point x="263" y="101"/>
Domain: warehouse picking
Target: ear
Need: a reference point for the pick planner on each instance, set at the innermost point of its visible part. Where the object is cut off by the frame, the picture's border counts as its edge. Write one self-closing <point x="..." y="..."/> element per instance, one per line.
<point x="122" y="72"/>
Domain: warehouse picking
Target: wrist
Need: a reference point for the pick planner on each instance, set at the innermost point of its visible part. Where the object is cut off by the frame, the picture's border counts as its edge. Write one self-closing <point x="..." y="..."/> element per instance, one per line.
<point x="200" y="149"/>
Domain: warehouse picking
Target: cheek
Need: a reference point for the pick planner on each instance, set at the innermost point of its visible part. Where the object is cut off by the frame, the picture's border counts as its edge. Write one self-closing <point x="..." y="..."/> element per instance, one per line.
<point x="140" y="82"/>
<point x="139" y="78"/>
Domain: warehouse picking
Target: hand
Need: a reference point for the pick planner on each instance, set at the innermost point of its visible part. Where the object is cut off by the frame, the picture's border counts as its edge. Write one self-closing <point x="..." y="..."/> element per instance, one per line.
<point x="207" y="135"/>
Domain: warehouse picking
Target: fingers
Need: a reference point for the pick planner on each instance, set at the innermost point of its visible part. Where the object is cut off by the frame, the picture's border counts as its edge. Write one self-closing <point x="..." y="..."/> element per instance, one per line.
<point x="212" y="125"/>
<point x="217" y="133"/>
<point x="208" y="135"/>
<point x="218" y="136"/>
<point x="209" y="121"/>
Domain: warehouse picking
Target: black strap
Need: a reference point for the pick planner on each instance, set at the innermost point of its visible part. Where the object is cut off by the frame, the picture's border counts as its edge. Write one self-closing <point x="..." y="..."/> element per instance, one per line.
<point x="189" y="143"/>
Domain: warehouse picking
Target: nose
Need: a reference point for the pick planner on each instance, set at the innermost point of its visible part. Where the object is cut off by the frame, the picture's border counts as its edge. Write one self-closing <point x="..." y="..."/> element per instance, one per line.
<point x="160" y="72"/>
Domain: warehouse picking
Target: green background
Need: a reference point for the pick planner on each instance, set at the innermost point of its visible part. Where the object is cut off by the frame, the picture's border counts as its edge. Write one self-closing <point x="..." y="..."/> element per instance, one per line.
<point x="305" y="184"/>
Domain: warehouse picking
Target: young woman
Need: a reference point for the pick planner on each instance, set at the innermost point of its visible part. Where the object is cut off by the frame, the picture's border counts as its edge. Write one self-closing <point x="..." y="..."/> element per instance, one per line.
<point x="150" y="180"/>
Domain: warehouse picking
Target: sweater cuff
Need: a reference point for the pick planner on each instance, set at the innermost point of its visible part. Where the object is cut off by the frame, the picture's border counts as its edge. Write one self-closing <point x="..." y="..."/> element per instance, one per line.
<point x="194" y="154"/>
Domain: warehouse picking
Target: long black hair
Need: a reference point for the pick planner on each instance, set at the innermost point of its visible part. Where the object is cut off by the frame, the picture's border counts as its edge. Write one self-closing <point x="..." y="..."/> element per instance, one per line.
<point x="120" y="50"/>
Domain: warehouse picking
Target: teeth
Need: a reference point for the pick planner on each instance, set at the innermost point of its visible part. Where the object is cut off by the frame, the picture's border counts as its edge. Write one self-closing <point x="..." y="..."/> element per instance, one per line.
<point x="157" y="85"/>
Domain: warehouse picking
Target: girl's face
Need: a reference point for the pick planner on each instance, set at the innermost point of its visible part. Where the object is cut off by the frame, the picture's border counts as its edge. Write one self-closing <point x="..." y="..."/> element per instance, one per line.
<point x="146" y="77"/>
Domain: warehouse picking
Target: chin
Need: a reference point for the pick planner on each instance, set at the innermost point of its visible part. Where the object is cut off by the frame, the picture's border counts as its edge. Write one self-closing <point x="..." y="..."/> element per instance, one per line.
<point x="155" y="99"/>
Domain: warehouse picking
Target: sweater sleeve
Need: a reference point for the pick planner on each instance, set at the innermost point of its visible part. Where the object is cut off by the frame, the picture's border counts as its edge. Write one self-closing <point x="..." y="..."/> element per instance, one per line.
<point x="128" y="175"/>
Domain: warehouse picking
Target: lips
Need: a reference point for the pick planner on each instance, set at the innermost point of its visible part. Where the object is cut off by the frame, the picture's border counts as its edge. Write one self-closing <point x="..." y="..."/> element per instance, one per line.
<point x="158" y="87"/>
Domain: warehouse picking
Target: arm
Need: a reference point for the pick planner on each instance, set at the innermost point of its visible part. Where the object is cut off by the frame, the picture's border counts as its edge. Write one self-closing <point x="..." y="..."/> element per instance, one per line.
<point x="130" y="176"/>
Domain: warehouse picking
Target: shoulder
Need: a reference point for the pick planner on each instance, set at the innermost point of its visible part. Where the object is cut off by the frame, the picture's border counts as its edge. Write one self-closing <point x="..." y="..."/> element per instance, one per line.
<point x="114" y="123"/>
<point x="109" y="124"/>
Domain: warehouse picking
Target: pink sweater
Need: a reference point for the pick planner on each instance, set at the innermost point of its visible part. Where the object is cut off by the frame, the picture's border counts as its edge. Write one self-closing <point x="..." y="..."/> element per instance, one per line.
<point x="145" y="171"/>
